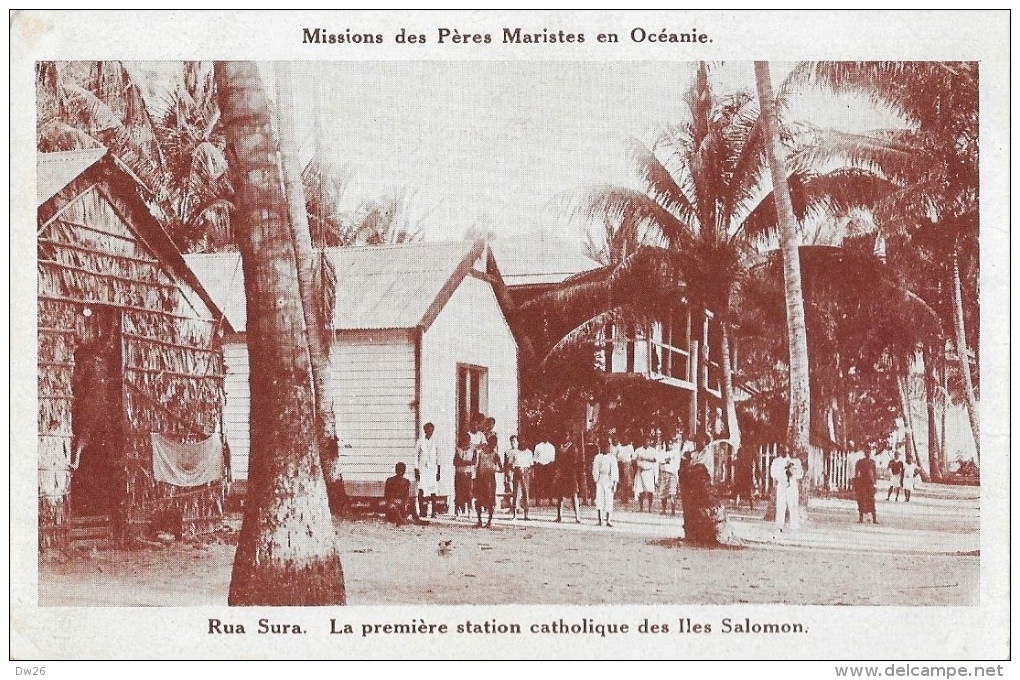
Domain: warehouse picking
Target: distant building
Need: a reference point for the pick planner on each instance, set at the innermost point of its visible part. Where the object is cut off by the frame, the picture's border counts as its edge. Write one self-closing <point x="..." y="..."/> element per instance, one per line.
<point x="660" y="351"/>
<point x="128" y="351"/>
<point x="419" y="334"/>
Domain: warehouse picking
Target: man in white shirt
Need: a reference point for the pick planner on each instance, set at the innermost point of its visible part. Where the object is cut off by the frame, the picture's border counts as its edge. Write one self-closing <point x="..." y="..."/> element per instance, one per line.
<point x="426" y="470"/>
<point x="545" y="453"/>
<point x="520" y="462"/>
<point x="786" y="471"/>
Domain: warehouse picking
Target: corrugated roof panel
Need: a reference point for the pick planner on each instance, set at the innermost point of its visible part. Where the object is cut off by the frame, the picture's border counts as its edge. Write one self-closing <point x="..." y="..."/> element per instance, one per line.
<point x="539" y="259"/>
<point x="54" y="171"/>
<point x="377" y="286"/>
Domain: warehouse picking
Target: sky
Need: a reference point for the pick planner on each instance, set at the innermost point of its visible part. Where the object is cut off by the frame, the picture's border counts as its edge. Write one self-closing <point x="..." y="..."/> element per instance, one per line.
<point x="499" y="144"/>
<point x="496" y="144"/>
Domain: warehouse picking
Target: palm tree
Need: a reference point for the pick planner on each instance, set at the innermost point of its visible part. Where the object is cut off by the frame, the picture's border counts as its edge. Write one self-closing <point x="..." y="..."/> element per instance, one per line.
<point x="933" y="164"/>
<point x="287" y="551"/>
<point x="173" y="147"/>
<point x="863" y="328"/>
<point x="310" y="268"/>
<point x="799" y="422"/>
<point x="691" y="233"/>
<point x="382" y="221"/>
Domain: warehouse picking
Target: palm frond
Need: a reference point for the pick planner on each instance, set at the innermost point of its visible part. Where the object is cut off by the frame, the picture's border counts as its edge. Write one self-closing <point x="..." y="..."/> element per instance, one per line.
<point x="586" y="334"/>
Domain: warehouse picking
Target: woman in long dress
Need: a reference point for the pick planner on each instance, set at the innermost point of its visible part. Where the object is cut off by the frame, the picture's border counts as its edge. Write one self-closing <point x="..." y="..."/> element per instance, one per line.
<point x="864" y="488"/>
<point x="606" y="474"/>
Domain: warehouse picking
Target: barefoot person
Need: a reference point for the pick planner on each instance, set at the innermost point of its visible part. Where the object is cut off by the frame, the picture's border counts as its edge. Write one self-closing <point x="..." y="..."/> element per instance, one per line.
<point x="397" y="497"/>
<point x="464" y="462"/>
<point x="910" y="472"/>
<point x="606" y="473"/>
<point x="644" y="482"/>
<point x="565" y="479"/>
<point x="864" y="488"/>
<point x="895" y="476"/>
<point x="669" y="471"/>
<point x="426" y="471"/>
<point x="521" y="461"/>
<point x="488" y="466"/>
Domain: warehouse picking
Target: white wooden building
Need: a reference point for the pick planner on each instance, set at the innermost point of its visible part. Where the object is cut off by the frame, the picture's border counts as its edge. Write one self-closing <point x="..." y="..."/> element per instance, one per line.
<point x="419" y="335"/>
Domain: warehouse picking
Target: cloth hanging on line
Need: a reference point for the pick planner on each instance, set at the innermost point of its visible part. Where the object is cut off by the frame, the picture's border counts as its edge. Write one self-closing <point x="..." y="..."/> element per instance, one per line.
<point x="186" y="464"/>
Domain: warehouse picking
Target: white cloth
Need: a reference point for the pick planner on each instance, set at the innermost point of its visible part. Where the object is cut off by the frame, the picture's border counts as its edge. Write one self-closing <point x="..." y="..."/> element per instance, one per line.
<point x="545" y="453"/>
<point x="427" y="464"/>
<point x="625" y="454"/>
<point x="187" y="464"/>
<point x="606" y="474"/>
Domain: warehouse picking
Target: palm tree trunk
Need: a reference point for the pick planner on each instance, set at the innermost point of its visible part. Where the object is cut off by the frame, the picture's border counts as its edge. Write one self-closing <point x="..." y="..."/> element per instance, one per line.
<point x="964" y="354"/>
<point x="311" y="297"/>
<point x="287" y="552"/>
<point x="799" y="424"/>
<point x="908" y="420"/>
<point x="732" y="426"/>
<point x="930" y="392"/>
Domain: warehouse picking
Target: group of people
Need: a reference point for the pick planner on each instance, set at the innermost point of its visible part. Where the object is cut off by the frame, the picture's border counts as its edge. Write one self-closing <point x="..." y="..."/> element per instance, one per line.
<point x="901" y="478"/>
<point x="478" y="464"/>
<point x="649" y="471"/>
<point x="617" y="470"/>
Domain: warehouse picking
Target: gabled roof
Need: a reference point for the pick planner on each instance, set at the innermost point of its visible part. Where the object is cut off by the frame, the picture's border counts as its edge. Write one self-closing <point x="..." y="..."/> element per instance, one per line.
<point x="98" y="167"/>
<point x="54" y="171"/>
<point x="378" y="287"/>
<point x="539" y="259"/>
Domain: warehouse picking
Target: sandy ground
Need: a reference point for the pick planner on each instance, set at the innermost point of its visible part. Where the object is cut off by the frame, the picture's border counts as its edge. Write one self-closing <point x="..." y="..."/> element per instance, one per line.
<point x="834" y="561"/>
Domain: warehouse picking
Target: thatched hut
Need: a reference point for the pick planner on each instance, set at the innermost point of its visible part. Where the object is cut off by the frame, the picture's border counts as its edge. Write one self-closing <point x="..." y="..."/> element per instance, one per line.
<point x="129" y="361"/>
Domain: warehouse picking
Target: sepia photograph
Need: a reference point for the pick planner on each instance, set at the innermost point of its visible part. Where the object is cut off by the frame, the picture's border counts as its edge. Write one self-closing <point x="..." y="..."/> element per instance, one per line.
<point x="472" y="340"/>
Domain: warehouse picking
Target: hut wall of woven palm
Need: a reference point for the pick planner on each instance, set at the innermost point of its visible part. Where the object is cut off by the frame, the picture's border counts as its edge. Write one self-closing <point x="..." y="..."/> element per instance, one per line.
<point x="109" y="275"/>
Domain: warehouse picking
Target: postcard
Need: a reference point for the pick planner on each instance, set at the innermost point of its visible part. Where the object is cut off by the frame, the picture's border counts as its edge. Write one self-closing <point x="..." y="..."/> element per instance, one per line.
<point x="510" y="335"/>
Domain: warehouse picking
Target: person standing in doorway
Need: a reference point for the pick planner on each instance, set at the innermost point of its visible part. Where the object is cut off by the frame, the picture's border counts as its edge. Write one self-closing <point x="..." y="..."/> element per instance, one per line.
<point x="426" y="471"/>
<point x="895" y="476"/>
<point x="606" y="474"/>
<point x="786" y="472"/>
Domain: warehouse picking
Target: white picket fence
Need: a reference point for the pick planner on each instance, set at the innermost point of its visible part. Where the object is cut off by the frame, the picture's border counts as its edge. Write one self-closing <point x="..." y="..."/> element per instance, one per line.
<point x="832" y="470"/>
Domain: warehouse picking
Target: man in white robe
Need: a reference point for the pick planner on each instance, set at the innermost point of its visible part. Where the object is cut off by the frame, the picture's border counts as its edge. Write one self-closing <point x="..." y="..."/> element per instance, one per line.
<point x="426" y="470"/>
<point x="606" y="473"/>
